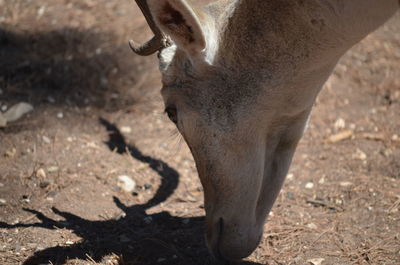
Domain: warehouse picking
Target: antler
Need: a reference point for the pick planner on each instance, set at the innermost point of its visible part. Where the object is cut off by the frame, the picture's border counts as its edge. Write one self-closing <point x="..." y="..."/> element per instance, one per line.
<point x="158" y="42"/>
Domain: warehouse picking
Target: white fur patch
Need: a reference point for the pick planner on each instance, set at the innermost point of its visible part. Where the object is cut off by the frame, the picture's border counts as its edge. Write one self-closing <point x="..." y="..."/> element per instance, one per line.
<point x="166" y="56"/>
<point x="212" y="43"/>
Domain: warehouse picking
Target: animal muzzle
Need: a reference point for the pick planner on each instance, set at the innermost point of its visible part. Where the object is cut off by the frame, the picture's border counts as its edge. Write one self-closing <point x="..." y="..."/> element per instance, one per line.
<point x="231" y="240"/>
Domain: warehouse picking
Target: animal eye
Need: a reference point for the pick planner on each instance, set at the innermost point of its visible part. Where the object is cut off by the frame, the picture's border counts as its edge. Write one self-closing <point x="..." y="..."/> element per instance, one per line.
<point x="172" y="114"/>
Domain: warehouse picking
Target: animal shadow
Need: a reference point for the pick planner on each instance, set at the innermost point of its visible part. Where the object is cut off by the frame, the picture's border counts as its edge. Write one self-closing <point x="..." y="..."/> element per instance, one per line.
<point x="69" y="67"/>
<point x="136" y="237"/>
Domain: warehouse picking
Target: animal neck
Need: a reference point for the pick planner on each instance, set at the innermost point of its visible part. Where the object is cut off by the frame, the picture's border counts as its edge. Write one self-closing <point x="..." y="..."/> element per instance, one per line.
<point x="284" y="36"/>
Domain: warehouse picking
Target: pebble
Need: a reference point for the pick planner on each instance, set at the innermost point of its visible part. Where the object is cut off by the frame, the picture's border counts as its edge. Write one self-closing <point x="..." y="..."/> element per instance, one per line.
<point x="1" y="185"/>
<point x="10" y="153"/>
<point x="46" y="139"/>
<point x="309" y="185"/>
<point x="52" y="169"/>
<point x="312" y="226"/>
<point x="4" y="108"/>
<point x="50" y="99"/>
<point x="60" y="115"/>
<point x="25" y="198"/>
<point x="290" y="176"/>
<point x="126" y="129"/>
<point x="360" y="155"/>
<point x="345" y="183"/>
<point x="3" y="202"/>
<point x="148" y="219"/>
<point x="395" y="137"/>
<point x="321" y="180"/>
<point x="161" y="259"/>
<point x="126" y="183"/>
<point x="340" y="136"/>
<point x="41" y="11"/>
<point x="40" y="173"/>
<point x="340" y="123"/>
<point x="316" y="261"/>
<point x="17" y="111"/>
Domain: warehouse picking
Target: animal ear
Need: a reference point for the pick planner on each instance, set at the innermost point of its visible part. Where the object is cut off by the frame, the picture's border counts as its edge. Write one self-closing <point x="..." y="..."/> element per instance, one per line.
<point x="178" y="20"/>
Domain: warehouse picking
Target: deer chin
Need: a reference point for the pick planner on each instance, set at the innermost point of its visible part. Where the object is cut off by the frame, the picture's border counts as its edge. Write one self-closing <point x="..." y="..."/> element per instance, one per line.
<point x="232" y="240"/>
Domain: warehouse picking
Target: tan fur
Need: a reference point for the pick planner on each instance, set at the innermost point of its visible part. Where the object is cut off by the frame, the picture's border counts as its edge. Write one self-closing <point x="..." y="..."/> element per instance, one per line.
<point x="244" y="100"/>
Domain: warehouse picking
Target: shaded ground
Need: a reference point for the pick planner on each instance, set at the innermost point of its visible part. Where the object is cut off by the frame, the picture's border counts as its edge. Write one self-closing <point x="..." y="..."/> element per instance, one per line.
<point x="98" y="115"/>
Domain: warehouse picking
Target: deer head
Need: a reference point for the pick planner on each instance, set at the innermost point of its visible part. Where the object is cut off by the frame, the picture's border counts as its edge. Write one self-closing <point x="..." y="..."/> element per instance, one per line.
<point x="239" y="88"/>
<point x="242" y="138"/>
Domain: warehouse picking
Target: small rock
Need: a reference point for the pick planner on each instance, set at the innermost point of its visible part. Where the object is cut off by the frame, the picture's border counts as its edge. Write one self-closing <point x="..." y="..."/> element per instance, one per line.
<point x="309" y="185"/>
<point x="321" y="180"/>
<point x="387" y="152"/>
<point x="4" y="108"/>
<point x="148" y="219"/>
<point x="290" y="176"/>
<point x="340" y="136"/>
<point x="345" y="183"/>
<point x="340" y="124"/>
<point x="50" y="99"/>
<point x="126" y="129"/>
<point x="3" y="202"/>
<point x="10" y="153"/>
<point x="126" y="183"/>
<point x="339" y="201"/>
<point x="271" y="213"/>
<point x="17" y="111"/>
<point x="395" y="137"/>
<point x="25" y="198"/>
<point x="360" y="155"/>
<point x="312" y="226"/>
<point x="40" y="173"/>
<point x="60" y="115"/>
<point x="316" y="261"/>
<point x="69" y="242"/>
<point x="46" y="139"/>
<point x="1" y="185"/>
<point x="41" y="11"/>
<point x="52" y="169"/>
<point x="161" y="259"/>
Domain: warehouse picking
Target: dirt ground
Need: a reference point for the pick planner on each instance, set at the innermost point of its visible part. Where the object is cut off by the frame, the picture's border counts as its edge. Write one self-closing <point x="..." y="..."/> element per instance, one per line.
<point x="98" y="115"/>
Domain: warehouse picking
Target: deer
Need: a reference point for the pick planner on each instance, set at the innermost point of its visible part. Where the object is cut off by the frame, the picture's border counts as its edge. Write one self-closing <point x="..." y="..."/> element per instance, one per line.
<point x="239" y="80"/>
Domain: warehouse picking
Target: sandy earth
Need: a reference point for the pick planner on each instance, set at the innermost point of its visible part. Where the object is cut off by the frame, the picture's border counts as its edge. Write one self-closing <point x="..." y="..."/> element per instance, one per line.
<point x="98" y="115"/>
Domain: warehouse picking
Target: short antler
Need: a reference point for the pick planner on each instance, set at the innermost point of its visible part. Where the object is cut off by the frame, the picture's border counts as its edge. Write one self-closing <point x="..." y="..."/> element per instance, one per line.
<point x="158" y="42"/>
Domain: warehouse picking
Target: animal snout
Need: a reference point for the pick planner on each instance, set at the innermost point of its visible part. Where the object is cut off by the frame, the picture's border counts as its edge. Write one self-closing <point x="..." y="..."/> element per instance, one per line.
<point x="232" y="241"/>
